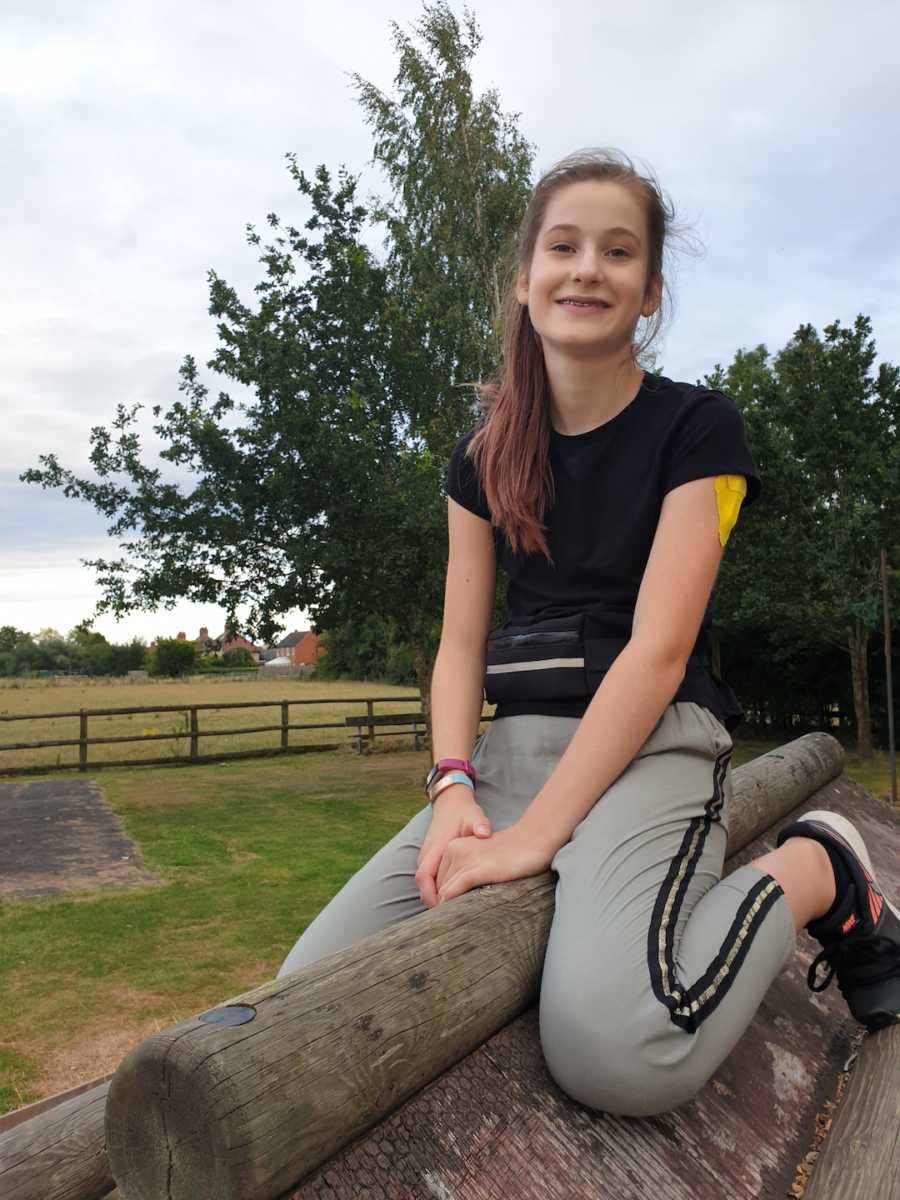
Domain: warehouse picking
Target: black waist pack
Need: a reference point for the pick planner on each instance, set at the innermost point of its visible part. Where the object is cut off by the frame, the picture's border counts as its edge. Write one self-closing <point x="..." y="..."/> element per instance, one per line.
<point x="559" y="658"/>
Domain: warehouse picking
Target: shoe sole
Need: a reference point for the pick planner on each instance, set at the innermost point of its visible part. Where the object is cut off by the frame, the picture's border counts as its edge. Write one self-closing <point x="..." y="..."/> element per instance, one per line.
<point x="848" y="833"/>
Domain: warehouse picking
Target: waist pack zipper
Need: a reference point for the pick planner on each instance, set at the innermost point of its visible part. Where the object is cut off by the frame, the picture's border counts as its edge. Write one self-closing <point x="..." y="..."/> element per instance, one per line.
<point x="561" y="637"/>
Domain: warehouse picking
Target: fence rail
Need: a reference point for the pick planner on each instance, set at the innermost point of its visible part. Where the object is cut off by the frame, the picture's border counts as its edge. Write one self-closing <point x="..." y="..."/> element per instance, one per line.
<point x="193" y="733"/>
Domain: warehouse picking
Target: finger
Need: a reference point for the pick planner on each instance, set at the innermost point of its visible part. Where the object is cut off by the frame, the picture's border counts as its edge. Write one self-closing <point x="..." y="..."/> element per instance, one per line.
<point x="445" y="869"/>
<point x="425" y="879"/>
<point x="458" y="885"/>
<point x="482" y="829"/>
<point x="427" y="890"/>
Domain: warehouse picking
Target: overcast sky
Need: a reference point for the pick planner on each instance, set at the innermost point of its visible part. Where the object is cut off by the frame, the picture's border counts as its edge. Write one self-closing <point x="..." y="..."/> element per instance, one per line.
<point x="139" y="139"/>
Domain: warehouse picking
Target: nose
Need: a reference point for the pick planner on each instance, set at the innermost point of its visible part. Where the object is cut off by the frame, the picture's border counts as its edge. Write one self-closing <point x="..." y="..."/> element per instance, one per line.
<point x="588" y="265"/>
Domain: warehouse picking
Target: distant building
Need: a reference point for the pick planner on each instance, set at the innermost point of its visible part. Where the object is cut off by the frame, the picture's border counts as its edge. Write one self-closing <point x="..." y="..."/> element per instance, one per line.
<point x="301" y="647"/>
<point x="240" y="643"/>
<point x="206" y="644"/>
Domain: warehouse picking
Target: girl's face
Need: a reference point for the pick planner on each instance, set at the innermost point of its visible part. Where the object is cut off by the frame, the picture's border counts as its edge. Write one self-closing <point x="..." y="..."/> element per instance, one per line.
<point x="586" y="286"/>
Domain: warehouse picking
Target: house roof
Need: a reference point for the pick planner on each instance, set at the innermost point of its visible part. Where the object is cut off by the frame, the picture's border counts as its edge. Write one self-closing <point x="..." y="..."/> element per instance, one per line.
<point x="292" y="639"/>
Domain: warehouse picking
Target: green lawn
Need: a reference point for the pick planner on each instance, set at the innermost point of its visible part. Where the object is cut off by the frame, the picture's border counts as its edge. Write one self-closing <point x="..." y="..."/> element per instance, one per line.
<point x="249" y="852"/>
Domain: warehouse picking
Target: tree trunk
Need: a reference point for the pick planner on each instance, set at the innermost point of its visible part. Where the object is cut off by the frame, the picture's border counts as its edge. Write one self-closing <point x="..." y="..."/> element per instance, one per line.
<point x="424" y="666"/>
<point x="858" y="642"/>
<point x="716" y="653"/>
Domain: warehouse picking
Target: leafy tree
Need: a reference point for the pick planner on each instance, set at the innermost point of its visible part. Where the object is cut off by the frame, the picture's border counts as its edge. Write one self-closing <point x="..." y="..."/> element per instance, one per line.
<point x="11" y="638"/>
<point x="374" y="648"/>
<point x="173" y="656"/>
<point x="240" y="656"/>
<point x="325" y="491"/>
<point x="825" y="430"/>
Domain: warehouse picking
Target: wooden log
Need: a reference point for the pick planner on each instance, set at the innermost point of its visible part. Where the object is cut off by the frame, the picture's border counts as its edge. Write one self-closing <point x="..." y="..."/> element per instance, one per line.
<point x="18" y="1116"/>
<point x="860" y="1159"/>
<point x="60" y="1154"/>
<point x="768" y="787"/>
<point x="247" y="1099"/>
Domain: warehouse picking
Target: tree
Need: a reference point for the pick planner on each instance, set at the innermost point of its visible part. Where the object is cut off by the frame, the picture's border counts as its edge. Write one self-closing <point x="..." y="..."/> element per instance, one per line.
<point x="11" y="638"/>
<point x="173" y="656"/>
<point x="825" y="430"/>
<point x="240" y="656"/>
<point x="325" y="491"/>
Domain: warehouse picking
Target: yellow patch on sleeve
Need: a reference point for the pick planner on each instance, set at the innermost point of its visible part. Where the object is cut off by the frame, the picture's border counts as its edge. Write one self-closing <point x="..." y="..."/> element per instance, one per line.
<point x="730" y="491"/>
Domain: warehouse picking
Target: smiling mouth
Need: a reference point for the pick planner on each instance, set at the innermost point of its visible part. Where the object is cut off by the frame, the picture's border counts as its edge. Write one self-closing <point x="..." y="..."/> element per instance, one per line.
<point x="584" y="303"/>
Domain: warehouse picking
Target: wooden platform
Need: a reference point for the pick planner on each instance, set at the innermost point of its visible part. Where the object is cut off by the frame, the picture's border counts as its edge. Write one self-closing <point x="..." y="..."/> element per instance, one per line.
<point x="497" y="1126"/>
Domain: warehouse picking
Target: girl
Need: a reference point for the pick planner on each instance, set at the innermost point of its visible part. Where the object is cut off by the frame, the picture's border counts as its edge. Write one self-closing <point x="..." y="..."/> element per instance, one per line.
<point x="608" y="493"/>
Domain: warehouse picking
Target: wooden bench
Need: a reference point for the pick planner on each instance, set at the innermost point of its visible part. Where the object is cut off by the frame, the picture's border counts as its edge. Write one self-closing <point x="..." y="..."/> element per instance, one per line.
<point x="366" y="723"/>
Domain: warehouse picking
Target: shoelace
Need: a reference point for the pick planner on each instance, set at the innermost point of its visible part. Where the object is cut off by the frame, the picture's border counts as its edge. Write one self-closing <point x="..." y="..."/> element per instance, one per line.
<point x="842" y="957"/>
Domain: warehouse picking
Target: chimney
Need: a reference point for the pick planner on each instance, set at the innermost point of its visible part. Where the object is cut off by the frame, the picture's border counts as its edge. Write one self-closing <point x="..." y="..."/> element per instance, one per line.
<point x="204" y="632"/>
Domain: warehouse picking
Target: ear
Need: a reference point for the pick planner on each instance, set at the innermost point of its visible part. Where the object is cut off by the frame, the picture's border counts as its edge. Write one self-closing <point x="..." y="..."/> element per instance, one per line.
<point x="653" y="297"/>
<point x="522" y="285"/>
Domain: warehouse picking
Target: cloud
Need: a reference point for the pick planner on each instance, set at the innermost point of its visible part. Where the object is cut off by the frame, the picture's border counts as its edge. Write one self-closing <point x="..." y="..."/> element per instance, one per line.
<point x="140" y="140"/>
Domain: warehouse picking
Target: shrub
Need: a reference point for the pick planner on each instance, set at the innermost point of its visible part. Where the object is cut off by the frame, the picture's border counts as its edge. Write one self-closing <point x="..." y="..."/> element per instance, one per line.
<point x="172" y="656"/>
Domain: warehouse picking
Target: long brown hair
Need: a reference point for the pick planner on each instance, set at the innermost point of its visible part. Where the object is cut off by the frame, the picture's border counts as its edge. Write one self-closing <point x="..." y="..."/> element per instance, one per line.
<point x="510" y="448"/>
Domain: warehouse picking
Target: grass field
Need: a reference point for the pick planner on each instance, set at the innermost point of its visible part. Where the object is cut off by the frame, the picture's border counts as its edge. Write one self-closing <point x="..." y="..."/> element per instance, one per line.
<point x="21" y="697"/>
<point x="248" y="853"/>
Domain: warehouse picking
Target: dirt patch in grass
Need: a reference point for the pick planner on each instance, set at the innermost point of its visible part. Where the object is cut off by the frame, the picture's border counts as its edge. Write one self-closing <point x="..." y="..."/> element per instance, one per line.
<point x="60" y="836"/>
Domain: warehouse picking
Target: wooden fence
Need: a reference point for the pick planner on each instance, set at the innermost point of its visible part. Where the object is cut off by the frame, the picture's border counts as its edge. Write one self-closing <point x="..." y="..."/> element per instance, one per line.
<point x="193" y="733"/>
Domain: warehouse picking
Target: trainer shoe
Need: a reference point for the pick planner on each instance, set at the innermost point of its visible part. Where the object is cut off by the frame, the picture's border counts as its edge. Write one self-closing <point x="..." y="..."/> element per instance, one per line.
<point x="860" y="936"/>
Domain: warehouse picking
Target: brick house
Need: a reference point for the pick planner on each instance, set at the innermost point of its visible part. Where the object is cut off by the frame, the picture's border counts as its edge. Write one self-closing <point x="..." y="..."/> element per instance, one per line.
<point x="240" y="643"/>
<point x="301" y="647"/>
<point x="206" y="644"/>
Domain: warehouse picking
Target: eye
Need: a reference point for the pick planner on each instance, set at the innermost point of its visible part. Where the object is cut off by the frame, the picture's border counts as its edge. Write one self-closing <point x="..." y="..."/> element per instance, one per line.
<point x="622" y="250"/>
<point x="560" y="246"/>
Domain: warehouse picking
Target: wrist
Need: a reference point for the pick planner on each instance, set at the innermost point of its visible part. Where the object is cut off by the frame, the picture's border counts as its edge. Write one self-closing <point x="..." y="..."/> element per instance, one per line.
<point x="444" y="782"/>
<point x="456" y="791"/>
<point x="549" y="840"/>
<point x="446" y="766"/>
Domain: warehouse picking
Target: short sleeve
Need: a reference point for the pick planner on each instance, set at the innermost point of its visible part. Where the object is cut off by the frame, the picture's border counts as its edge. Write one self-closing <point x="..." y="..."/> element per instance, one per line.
<point x="709" y="439"/>
<point x="463" y="484"/>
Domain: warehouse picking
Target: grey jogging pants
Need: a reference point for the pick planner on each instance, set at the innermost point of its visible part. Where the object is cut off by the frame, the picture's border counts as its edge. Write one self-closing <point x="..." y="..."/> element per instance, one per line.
<point x="655" y="965"/>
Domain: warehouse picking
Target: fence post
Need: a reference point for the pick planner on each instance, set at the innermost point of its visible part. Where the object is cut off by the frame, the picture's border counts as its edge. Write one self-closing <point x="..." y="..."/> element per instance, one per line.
<point x="284" y="724"/>
<point x="369" y="713"/>
<point x="195" y="741"/>
<point x="82" y="740"/>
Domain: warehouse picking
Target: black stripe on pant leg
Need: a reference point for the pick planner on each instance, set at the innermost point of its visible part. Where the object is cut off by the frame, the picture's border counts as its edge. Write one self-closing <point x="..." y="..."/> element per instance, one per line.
<point x="705" y="996"/>
<point x="667" y="987"/>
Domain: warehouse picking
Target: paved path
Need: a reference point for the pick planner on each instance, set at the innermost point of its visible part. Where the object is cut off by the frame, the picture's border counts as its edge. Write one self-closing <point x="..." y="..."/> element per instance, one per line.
<point x="60" y="835"/>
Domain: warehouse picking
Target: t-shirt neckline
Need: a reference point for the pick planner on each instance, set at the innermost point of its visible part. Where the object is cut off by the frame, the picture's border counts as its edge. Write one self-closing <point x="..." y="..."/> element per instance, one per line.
<point x="576" y="439"/>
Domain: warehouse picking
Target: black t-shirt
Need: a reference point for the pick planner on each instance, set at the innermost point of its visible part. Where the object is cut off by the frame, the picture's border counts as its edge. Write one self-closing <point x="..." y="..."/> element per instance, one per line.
<point x="609" y="486"/>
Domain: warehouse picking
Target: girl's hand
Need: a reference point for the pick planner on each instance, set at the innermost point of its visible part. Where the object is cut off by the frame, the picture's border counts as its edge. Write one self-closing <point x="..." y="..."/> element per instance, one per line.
<point x="469" y="862"/>
<point x="455" y="815"/>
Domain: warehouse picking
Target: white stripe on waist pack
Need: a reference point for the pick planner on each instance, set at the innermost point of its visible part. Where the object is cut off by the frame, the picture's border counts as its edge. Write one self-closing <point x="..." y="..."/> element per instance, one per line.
<point x="543" y="664"/>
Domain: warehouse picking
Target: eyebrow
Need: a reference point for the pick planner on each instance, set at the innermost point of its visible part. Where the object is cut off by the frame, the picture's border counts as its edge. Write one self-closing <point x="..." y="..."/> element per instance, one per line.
<point x="618" y="229"/>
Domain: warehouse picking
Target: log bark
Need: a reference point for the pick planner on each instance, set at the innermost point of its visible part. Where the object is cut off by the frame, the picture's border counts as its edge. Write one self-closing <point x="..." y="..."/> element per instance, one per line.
<point x="212" y="1110"/>
<point x="60" y="1153"/>
<point x="861" y="1155"/>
